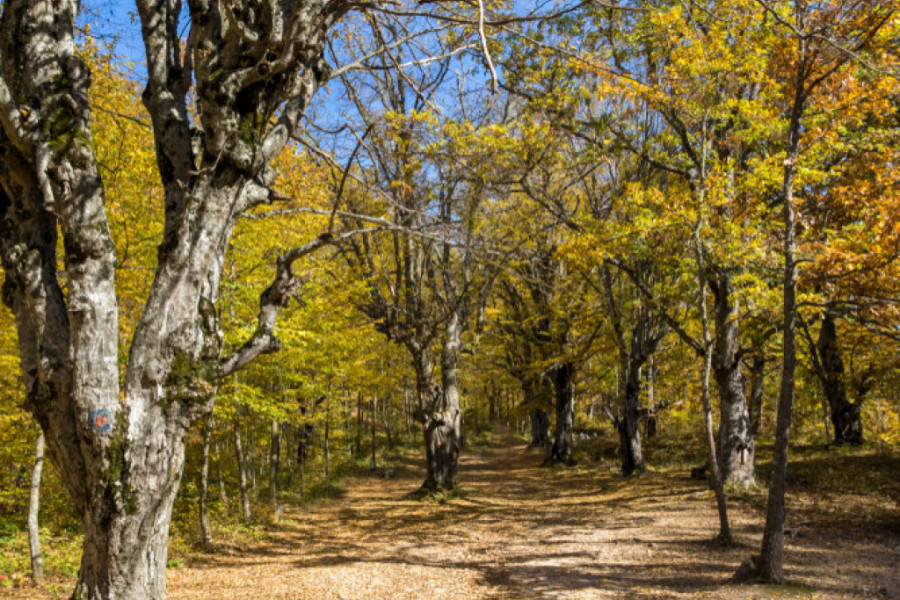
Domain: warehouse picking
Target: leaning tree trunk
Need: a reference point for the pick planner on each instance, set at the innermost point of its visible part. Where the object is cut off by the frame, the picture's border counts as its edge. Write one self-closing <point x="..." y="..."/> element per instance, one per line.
<point x="737" y="447"/>
<point x="442" y="422"/>
<point x="564" y="392"/>
<point x="846" y="417"/>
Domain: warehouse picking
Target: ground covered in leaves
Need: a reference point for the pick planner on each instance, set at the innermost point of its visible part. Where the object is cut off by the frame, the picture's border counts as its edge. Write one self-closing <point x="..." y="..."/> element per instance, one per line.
<point x="523" y="531"/>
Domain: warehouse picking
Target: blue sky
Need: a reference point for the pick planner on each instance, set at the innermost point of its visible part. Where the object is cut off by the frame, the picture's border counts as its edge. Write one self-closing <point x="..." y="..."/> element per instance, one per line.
<point x="109" y="19"/>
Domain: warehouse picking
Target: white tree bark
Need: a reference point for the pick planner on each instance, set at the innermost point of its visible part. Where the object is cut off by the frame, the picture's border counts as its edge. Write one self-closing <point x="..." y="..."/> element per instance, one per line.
<point x="34" y="504"/>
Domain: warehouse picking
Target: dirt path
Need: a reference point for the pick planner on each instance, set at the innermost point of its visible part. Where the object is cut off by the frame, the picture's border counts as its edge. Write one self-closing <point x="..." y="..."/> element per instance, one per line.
<point x="527" y="532"/>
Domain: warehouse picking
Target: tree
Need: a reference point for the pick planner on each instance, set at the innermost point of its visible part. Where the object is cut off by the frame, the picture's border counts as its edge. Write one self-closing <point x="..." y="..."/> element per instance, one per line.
<point x="820" y="41"/>
<point x="825" y="353"/>
<point x="252" y="71"/>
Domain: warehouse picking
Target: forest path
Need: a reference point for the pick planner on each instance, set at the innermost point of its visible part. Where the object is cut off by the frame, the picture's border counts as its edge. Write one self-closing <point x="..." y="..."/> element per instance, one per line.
<point x="524" y="531"/>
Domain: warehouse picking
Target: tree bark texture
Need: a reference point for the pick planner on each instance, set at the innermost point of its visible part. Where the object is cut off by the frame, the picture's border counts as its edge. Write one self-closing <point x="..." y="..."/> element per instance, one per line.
<point x="737" y="447"/>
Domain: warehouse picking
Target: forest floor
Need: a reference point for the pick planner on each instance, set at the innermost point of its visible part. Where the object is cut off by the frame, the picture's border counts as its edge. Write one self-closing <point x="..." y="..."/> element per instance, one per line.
<point x="524" y="531"/>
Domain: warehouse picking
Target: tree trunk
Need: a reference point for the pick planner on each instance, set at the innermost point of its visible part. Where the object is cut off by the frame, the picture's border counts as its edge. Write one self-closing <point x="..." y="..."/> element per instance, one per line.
<point x="846" y="417"/>
<point x="709" y="350"/>
<point x="242" y="470"/>
<point x="205" y="532"/>
<point x="126" y="532"/>
<point x="125" y="554"/>
<point x="303" y="442"/>
<point x="650" y="420"/>
<point x="250" y="459"/>
<point x="442" y="423"/>
<point x="757" y="391"/>
<point x="492" y="401"/>
<point x="373" y="464"/>
<point x="771" y="560"/>
<point x="34" y="504"/>
<point x="287" y="442"/>
<point x="540" y="417"/>
<point x="564" y="391"/>
<point x="274" y="462"/>
<point x="737" y="447"/>
<point x="540" y="428"/>
<point x="359" y="423"/>
<point x="629" y="426"/>
<point x="348" y="423"/>
<point x="223" y="494"/>
<point x="386" y="415"/>
<point x="715" y="472"/>
<point x="327" y="464"/>
<point x="407" y="415"/>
